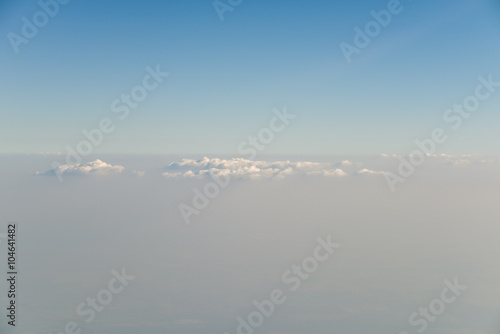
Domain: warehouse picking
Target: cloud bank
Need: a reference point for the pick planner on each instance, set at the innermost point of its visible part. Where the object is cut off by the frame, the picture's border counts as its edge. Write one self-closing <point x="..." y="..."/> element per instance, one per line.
<point x="243" y="168"/>
<point x="274" y="170"/>
<point x="96" y="167"/>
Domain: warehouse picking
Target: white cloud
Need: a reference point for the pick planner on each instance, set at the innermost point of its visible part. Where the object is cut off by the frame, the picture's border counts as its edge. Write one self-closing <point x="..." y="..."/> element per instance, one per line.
<point x="96" y="167"/>
<point x="366" y="171"/>
<point x="345" y="163"/>
<point x="385" y="155"/>
<point x="268" y="170"/>
<point x="239" y="167"/>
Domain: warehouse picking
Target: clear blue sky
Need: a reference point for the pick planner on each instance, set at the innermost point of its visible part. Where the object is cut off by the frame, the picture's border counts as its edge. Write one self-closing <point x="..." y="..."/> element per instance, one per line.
<point x="227" y="76"/>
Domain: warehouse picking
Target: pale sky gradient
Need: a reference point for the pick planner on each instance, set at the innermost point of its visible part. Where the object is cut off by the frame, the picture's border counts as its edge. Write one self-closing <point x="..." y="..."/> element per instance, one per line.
<point x="226" y="77"/>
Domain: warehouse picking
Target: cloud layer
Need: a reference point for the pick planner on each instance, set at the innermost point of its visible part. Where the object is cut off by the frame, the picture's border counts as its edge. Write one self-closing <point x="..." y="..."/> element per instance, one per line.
<point x="96" y="167"/>
<point x="239" y="167"/>
<point x="275" y="170"/>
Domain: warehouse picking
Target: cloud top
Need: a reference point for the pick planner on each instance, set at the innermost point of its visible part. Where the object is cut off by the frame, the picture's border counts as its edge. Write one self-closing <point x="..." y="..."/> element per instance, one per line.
<point x="96" y="167"/>
<point x="243" y="168"/>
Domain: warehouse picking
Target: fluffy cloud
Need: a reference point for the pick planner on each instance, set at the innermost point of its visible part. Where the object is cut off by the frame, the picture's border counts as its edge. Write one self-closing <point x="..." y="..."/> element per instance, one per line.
<point x="366" y="171"/>
<point x="239" y="167"/>
<point x="272" y="170"/>
<point x="96" y="167"/>
<point x="345" y="163"/>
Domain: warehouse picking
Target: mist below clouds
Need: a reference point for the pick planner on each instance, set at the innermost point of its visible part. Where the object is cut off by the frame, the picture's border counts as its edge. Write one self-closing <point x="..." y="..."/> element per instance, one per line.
<point x="396" y="249"/>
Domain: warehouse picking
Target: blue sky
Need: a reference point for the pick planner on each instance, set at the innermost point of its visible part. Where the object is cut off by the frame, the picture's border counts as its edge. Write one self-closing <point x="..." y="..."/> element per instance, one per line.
<point x="227" y="76"/>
